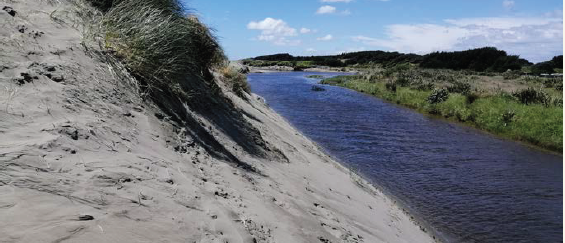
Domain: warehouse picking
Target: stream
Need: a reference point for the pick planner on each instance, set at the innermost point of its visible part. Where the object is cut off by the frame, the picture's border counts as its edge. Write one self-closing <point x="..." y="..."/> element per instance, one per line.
<point x="463" y="184"/>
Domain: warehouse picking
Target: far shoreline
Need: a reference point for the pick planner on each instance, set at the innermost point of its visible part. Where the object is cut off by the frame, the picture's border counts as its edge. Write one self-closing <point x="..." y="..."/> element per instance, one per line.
<point x="277" y="69"/>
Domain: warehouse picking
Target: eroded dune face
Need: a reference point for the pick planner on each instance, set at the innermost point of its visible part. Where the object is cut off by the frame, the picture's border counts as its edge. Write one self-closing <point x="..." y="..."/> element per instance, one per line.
<point x="85" y="159"/>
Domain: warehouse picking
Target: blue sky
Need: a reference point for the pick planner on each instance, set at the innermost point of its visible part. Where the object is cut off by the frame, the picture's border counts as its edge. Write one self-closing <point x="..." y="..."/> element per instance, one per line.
<point x="248" y="28"/>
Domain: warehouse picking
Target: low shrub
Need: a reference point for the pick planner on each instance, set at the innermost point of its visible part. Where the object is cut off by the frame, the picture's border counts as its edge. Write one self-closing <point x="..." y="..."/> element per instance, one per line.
<point x="556" y="83"/>
<point x="511" y="75"/>
<point x="396" y="69"/>
<point x="532" y="96"/>
<point x="422" y="86"/>
<point x="438" y="96"/>
<point x="460" y="87"/>
<point x="391" y="86"/>
<point x="470" y="98"/>
<point x="402" y="82"/>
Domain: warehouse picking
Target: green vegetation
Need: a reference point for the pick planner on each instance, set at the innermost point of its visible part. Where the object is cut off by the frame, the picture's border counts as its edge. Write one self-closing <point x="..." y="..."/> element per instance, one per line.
<point x="531" y="115"/>
<point x="173" y="58"/>
<point x="486" y="59"/>
<point x="236" y="81"/>
<point x="343" y="60"/>
<point x="554" y="65"/>
<point x="337" y="80"/>
<point x="168" y="52"/>
<point x="160" y="45"/>
<point x="482" y="59"/>
<point x="532" y="96"/>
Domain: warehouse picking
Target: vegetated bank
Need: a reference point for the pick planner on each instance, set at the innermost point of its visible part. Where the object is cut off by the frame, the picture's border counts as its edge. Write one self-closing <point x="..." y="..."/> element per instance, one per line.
<point x="123" y="122"/>
<point x="524" y="108"/>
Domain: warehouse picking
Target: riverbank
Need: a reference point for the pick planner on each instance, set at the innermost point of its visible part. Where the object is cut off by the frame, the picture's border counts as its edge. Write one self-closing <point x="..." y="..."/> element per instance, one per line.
<point x="88" y="157"/>
<point x="498" y="113"/>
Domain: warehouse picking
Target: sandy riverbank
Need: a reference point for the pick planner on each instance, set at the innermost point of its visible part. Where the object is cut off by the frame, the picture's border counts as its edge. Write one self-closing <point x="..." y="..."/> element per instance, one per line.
<point x="85" y="159"/>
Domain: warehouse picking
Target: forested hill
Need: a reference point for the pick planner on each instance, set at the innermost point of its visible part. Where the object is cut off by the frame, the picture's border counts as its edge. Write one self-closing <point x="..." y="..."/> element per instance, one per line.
<point x="483" y="59"/>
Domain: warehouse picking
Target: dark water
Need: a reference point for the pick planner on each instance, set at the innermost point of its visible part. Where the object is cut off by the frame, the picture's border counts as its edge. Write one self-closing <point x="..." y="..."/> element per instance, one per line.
<point x="467" y="185"/>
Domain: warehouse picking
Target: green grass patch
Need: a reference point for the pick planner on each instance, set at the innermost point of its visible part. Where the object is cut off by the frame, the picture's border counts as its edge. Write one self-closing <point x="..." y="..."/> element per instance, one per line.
<point x="339" y="80"/>
<point x="305" y="64"/>
<point x="502" y="115"/>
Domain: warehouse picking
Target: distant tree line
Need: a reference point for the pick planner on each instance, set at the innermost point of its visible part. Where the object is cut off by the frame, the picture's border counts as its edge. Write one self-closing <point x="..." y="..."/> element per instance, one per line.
<point x="486" y="59"/>
<point x="348" y="59"/>
<point x="548" y="66"/>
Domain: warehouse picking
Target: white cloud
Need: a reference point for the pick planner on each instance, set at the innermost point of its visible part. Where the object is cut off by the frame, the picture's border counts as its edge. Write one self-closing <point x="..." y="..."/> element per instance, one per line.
<point x="325" y="38"/>
<point x="421" y="38"/>
<point x="500" y="23"/>
<point x="535" y="39"/>
<point x="270" y="26"/>
<point x="326" y="9"/>
<point x="274" y="30"/>
<point x="336" y="1"/>
<point x="305" y="31"/>
<point x="508" y="4"/>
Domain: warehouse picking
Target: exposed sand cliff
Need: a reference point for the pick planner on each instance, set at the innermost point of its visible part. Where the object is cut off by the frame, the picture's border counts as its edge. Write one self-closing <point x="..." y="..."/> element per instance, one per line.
<point x="84" y="159"/>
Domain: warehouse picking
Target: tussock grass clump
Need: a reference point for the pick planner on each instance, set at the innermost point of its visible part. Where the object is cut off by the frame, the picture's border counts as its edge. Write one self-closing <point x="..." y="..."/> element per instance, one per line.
<point x="171" y="56"/>
<point x="159" y="44"/>
<point x="507" y="117"/>
<point x="167" y="5"/>
<point x="236" y="81"/>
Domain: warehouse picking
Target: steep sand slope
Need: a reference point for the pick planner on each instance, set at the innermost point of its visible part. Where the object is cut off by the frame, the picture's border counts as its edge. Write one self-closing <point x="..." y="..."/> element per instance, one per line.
<point x="84" y="159"/>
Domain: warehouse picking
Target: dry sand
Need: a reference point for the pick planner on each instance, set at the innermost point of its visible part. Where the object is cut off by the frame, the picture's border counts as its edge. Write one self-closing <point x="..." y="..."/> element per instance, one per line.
<point x="84" y="159"/>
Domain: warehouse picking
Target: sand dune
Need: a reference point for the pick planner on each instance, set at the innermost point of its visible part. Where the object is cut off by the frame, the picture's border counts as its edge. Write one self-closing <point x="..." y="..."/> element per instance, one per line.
<point x="84" y="159"/>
